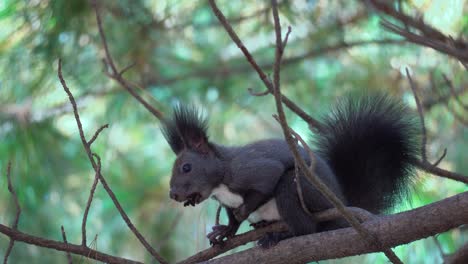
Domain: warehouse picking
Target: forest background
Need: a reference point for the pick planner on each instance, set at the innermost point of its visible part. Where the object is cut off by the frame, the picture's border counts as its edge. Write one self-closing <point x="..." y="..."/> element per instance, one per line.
<point x="179" y="52"/>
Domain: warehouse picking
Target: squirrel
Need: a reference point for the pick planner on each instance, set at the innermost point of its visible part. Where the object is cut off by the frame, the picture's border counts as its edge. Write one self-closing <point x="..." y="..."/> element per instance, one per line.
<point x="363" y="152"/>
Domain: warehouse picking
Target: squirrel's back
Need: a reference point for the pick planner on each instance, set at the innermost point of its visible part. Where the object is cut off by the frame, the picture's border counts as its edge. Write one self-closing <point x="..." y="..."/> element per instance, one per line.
<point x="370" y="143"/>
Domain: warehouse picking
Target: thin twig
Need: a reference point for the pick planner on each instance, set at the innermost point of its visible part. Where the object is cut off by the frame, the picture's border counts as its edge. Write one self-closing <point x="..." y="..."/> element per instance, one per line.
<point x="253" y="93"/>
<point x="311" y="168"/>
<point x="296" y="168"/>
<point x="290" y="104"/>
<point x="17" y="215"/>
<point x="90" y="142"/>
<point x="460" y="118"/>
<point x="426" y="41"/>
<point x="64" y="236"/>
<point x="90" y="199"/>
<point x="126" y="68"/>
<point x="300" y="194"/>
<point x="431" y="102"/>
<point x="441" y="158"/>
<point x="116" y="74"/>
<point x="424" y="164"/>
<point x="421" y="117"/>
<point x="454" y="92"/>
<point x="287" y="37"/>
<point x="429" y="36"/>
<point x="109" y="191"/>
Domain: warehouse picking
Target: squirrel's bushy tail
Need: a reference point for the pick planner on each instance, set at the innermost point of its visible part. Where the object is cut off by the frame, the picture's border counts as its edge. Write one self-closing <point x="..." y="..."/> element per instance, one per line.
<point x="370" y="144"/>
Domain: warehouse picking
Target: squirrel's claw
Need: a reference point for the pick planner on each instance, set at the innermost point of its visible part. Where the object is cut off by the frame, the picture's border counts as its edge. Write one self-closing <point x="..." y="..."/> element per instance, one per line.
<point x="219" y="233"/>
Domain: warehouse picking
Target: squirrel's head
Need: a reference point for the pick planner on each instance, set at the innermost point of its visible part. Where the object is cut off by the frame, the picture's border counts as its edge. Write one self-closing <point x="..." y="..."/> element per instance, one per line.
<point x="197" y="169"/>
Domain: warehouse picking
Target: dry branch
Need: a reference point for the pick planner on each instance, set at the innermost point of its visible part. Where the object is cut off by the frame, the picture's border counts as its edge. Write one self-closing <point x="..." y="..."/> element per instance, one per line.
<point x="97" y="170"/>
<point x="64" y="237"/>
<point x="61" y="246"/>
<point x="290" y="104"/>
<point x="428" y="36"/>
<point x="114" y="73"/>
<point x="90" y="199"/>
<point x="424" y="164"/>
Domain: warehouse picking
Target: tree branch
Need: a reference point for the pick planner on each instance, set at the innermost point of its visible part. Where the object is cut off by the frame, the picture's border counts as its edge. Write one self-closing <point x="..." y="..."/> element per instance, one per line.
<point x="256" y="234"/>
<point x="424" y="164"/>
<point x="17" y="215"/>
<point x="90" y="199"/>
<point x="298" y="160"/>
<point x="114" y="73"/>
<point x="96" y="168"/>
<point x="429" y="36"/>
<point x="290" y="104"/>
<point x="64" y="236"/>
<point x="393" y="230"/>
<point x="61" y="246"/>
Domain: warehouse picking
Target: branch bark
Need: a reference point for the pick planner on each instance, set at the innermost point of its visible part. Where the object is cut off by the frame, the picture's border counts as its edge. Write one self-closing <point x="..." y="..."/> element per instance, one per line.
<point x="392" y="230"/>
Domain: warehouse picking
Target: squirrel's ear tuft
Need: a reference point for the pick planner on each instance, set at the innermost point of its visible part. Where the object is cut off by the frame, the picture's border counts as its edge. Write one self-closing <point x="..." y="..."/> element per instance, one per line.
<point x="187" y="130"/>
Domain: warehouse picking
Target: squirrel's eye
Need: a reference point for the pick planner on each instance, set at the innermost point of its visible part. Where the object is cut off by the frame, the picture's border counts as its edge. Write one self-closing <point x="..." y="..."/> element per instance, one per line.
<point x="186" y="167"/>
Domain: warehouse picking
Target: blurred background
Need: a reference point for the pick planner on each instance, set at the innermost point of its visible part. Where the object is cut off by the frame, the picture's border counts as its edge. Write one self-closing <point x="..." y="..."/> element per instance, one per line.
<point x="182" y="54"/>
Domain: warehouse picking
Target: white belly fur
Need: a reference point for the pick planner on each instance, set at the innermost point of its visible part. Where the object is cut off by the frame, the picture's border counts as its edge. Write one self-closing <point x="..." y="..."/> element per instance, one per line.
<point x="226" y="197"/>
<point x="267" y="212"/>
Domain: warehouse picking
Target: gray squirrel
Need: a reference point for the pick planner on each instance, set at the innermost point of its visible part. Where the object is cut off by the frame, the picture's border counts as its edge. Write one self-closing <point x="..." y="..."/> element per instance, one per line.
<point x="363" y="153"/>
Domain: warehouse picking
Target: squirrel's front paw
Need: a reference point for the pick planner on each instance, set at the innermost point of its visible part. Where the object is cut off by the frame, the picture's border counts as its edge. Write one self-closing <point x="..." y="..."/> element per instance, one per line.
<point x="240" y="213"/>
<point x="219" y="233"/>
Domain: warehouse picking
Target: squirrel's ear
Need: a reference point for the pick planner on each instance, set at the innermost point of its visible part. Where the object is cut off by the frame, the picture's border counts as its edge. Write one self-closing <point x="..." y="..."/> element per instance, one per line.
<point x="198" y="142"/>
<point x="187" y="130"/>
<point x="174" y="139"/>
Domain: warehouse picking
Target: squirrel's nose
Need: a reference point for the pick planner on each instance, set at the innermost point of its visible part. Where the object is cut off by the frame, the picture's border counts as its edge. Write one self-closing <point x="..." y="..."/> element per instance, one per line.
<point x="172" y="195"/>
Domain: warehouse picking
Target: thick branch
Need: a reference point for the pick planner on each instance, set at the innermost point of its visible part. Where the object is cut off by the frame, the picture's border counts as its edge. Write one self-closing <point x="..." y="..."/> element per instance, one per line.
<point x="393" y="230"/>
<point x="256" y="234"/>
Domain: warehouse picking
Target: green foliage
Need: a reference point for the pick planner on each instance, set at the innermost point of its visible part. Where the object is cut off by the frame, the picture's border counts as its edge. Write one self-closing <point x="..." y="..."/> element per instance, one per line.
<point x="180" y="53"/>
